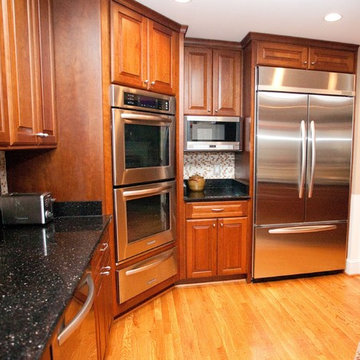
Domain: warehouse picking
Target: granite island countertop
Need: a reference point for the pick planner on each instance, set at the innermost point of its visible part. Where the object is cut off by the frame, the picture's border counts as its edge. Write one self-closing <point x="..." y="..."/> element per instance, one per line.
<point x="218" y="190"/>
<point x="40" y="267"/>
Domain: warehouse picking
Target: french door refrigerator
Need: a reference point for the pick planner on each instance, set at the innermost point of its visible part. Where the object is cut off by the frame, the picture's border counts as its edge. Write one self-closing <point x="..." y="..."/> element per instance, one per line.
<point x="303" y="147"/>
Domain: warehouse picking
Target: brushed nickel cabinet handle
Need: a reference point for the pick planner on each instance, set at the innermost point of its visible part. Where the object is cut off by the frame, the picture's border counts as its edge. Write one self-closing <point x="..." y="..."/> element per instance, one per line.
<point x="106" y="268"/>
<point x="217" y="210"/>
<point x="107" y="273"/>
<point x="105" y="246"/>
<point x="40" y="134"/>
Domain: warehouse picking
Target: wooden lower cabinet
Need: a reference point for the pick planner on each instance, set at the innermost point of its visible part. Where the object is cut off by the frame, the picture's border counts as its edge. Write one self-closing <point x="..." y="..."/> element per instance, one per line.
<point x="201" y="247"/>
<point x="216" y="247"/>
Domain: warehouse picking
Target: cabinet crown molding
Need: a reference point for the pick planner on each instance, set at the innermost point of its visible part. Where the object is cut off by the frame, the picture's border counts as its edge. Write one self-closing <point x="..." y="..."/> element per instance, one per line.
<point x="216" y="44"/>
<point x="255" y="36"/>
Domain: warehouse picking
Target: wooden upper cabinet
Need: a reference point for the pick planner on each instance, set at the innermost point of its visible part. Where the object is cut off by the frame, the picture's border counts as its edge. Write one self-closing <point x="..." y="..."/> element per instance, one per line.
<point x="47" y="124"/>
<point x="143" y="52"/>
<point x="201" y="241"/>
<point x="304" y="57"/>
<point x="226" y="82"/>
<point x="232" y="246"/>
<point x="128" y="47"/>
<point x="4" y="119"/>
<point x="212" y="81"/>
<point x="30" y="73"/>
<point x="284" y="55"/>
<point x="25" y="107"/>
<point x="162" y="58"/>
<point x="198" y="81"/>
<point x="331" y="60"/>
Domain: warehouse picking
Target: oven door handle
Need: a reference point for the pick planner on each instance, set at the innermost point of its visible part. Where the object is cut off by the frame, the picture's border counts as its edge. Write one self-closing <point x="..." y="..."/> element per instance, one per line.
<point x="155" y="190"/>
<point x="145" y="117"/>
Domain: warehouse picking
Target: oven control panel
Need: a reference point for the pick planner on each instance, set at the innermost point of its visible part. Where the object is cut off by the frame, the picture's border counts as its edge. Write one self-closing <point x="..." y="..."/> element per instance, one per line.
<point x="146" y="102"/>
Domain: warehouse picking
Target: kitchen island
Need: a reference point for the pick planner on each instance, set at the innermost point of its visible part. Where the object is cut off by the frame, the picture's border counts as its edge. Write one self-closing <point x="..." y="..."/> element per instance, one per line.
<point x="40" y="268"/>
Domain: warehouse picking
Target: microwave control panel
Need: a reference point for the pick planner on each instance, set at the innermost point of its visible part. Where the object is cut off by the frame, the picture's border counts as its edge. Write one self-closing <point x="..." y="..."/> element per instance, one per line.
<point x="146" y="102"/>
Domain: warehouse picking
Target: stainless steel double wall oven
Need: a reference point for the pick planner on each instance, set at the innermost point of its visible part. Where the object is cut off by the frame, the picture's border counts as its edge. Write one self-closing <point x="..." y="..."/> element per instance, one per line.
<point x="143" y="149"/>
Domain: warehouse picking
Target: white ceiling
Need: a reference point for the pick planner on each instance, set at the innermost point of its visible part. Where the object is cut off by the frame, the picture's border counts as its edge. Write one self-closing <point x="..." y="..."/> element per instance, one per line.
<point x="233" y="19"/>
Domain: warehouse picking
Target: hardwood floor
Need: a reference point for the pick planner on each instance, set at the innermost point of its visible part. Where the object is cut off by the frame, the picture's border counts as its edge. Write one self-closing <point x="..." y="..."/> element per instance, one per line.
<point x="310" y="318"/>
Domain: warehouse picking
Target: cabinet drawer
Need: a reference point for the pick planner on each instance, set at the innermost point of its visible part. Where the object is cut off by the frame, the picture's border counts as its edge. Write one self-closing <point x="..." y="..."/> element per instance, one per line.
<point x="216" y="209"/>
<point x="145" y="274"/>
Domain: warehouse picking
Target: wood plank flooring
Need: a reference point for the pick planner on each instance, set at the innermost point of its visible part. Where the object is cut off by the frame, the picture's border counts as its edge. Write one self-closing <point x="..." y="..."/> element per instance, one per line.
<point x="310" y="318"/>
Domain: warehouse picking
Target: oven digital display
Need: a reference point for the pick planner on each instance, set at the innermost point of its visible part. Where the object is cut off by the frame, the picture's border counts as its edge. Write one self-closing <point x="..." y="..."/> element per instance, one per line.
<point x="147" y="102"/>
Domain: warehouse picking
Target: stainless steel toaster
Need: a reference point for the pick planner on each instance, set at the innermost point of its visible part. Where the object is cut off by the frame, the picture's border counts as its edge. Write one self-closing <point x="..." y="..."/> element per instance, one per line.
<point x="26" y="208"/>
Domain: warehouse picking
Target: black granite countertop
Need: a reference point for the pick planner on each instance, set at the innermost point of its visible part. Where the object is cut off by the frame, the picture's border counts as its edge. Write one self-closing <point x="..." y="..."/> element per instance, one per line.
<point x="218" y="190"/>
<point x="40" y="267"/>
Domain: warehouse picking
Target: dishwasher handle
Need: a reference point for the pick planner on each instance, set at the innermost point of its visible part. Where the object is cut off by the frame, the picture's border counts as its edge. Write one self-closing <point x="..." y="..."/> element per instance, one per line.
<point x="79" y="317"/>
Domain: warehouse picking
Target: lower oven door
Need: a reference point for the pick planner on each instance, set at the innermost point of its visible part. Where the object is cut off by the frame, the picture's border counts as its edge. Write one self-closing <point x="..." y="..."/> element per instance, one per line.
<point x="145" y="217"/>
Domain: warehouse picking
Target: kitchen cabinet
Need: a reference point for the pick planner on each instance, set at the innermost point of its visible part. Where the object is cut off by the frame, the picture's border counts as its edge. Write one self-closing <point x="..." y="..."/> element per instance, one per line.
<point x="143" y="52"/>
<point x="212" y="81"/>
<point x="216" y="246"/>
<point x="305" y="57"/>
<point x="27" y="80"/>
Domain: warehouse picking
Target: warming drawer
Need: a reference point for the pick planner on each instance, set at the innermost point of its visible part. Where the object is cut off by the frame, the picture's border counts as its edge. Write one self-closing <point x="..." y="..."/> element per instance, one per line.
<point x="145" y="274"/>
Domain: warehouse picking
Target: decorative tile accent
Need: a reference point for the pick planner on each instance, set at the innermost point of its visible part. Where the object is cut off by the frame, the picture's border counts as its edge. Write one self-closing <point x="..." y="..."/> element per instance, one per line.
<point x="211" y="165"/>
<point x="3" y="179"/>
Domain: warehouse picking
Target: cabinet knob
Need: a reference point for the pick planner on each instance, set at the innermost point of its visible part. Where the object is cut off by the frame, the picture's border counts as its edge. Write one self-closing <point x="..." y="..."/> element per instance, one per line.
<point x="305" y="62"/>
<point x="214" y="225"/>
<point x="208" y="110"/>
<point x="216" y="110"/>
<point x="146" y="81"/>
<point x="221" y="224"/>
<point x="313" y="62"/>
<point x="152" y="83"/>
<point x="40" y="134"/>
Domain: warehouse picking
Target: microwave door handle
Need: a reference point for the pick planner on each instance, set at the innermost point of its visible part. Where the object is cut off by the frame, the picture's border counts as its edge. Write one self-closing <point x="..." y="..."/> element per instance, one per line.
<point x="155" y="190"/>
<point x="159" y="118"/>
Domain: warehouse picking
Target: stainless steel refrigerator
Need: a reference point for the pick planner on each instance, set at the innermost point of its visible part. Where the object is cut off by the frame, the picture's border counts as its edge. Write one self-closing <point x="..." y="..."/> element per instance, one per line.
<point x="303" y="144"/>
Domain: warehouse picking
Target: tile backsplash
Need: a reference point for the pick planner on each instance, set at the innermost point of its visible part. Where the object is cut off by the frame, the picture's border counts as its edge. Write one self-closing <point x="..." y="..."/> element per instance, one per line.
<point x="3" y="179"/>
<point x="211" y="165"/>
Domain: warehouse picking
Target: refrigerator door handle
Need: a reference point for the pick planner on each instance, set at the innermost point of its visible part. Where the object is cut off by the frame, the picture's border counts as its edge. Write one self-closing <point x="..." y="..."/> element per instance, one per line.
<point x="303" y="159"/>
<point x="302" y="229"/>
<point x="313" y="159"/>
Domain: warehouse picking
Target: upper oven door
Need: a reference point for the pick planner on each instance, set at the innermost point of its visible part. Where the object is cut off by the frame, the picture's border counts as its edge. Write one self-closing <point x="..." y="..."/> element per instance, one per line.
<point x="143" y="147"/>
<point x="145" y="217"/>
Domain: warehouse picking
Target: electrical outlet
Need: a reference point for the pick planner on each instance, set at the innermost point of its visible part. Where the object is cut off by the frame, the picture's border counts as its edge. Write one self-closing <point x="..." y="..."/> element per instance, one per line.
<point x="217" y="170"/>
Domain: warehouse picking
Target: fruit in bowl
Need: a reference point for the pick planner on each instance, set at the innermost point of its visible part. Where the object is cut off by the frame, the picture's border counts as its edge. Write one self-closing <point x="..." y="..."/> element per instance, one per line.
<point x="196" y="183"/>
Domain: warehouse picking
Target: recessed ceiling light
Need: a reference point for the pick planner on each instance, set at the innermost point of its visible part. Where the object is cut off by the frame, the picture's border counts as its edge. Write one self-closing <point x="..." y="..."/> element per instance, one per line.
<point x="333" y="17"/>
<point x="183" y="1"/>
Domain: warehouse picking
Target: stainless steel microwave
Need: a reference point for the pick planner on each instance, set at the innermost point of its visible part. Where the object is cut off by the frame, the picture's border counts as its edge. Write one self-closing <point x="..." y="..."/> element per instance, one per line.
<point x="210" y="133"/>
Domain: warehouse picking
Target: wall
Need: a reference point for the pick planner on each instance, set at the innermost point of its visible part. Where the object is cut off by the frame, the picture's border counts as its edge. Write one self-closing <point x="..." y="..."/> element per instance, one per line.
<point x="75" y="170"/>
<point x="353" y="256"/>
<point x="211" y="165"/>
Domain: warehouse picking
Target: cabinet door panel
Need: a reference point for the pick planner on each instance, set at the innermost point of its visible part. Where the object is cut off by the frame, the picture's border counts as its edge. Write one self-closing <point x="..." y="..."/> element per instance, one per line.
<point x="331" y="60"/>
<point x="226" y="83"/>
<point x="201" y="248"/>
<point x="198" y="81"/>
<point x="162" y="58"/>
<point x="232" y="246"/>
<point x="48" y="123"/>
<point x="25" y="69"/>
<point x="128" y="47"/>
<point x="285" y="55"/>
<point x="4" y="118"/>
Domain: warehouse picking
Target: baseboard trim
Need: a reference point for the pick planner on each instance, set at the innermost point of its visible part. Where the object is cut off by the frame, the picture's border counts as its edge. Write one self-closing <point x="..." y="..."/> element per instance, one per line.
<point x="352" y="267"/>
